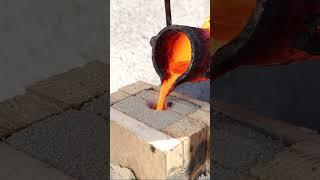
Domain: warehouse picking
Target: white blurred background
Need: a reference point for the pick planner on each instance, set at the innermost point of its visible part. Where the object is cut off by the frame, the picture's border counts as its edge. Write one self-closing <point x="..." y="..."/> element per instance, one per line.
<point x="40" y="38"/>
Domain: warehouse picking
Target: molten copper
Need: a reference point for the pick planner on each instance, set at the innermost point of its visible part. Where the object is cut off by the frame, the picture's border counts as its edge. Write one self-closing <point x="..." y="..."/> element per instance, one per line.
<point x="180" y="54"/>
<point x="178" y="62"/>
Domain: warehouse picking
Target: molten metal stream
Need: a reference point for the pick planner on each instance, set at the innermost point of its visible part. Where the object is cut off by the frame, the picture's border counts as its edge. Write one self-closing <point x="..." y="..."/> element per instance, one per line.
<point x="178" y="63"/>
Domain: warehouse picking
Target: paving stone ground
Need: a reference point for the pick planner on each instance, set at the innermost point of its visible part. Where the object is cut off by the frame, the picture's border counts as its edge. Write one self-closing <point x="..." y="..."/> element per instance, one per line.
<point x="41" y="137"/>
<point x="74" y="143"/>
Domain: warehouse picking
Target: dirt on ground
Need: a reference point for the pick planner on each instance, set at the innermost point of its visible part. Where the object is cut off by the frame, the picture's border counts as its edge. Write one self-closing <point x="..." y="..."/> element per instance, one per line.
<point x="118" y="172"/>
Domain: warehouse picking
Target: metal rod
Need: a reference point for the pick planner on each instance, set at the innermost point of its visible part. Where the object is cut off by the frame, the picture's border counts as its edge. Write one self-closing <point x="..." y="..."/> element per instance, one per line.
<point x="168" y="12"/>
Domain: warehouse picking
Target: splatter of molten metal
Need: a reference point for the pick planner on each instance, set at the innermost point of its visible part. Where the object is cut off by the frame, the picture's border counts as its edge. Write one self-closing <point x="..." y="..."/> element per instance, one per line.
<point x="178" y="63"/>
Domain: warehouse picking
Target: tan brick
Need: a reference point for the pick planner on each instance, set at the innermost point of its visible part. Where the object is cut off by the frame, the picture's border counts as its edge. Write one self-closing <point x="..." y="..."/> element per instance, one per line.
<point x="309" y="148"/>
<point x="202" y="116"/>
<point x="204" y="105"/>
<point x="16" y="165"/>
<point x="135" y="88"/>
<point x="23" y="110"/>
<point x="288" y="165"/>
<point x="193" y="134"/>
<point x="150" y="153"/>
<point x="76" y="86"/>
<point x="184" y="128"/>
<point x="118" y="96"/>
<point x="276" y="128"/>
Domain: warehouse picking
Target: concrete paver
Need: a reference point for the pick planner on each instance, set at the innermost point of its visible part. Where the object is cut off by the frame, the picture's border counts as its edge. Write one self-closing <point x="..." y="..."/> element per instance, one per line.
<point x="16" y="165"/>
<point x="74" y="142"/>
<point x="23" y="110"/>
<point x="99" y="106"/>
<point x="76" y="86"/>
<point x="276" y="128"/>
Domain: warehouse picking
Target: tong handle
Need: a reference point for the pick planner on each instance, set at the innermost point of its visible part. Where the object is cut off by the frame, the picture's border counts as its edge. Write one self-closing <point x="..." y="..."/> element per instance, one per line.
<point x="168" y="12"/>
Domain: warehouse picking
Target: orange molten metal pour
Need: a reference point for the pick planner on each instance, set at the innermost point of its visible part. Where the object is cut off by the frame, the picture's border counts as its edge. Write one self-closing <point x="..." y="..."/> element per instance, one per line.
<point x="178" y="64"/>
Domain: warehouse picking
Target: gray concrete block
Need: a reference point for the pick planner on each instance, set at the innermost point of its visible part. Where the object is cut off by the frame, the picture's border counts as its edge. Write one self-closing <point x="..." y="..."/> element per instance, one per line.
<point x="179" y="105"/>
<point x="199" y="90"/>
<point x="204" y="105"/>
<point x="76" y="86"/>
<point x="73" y="142"/>
<point x="15" y="165"/>
<point x="137" y="107"/>
<point x="23" y="110"/>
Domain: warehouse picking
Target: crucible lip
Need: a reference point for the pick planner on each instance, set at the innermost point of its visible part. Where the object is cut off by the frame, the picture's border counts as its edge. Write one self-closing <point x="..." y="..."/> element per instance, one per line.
<point x="196" y="48"/>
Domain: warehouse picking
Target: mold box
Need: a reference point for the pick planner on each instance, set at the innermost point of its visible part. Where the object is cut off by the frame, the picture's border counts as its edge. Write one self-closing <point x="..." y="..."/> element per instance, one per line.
<point x="158" y="144"/>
